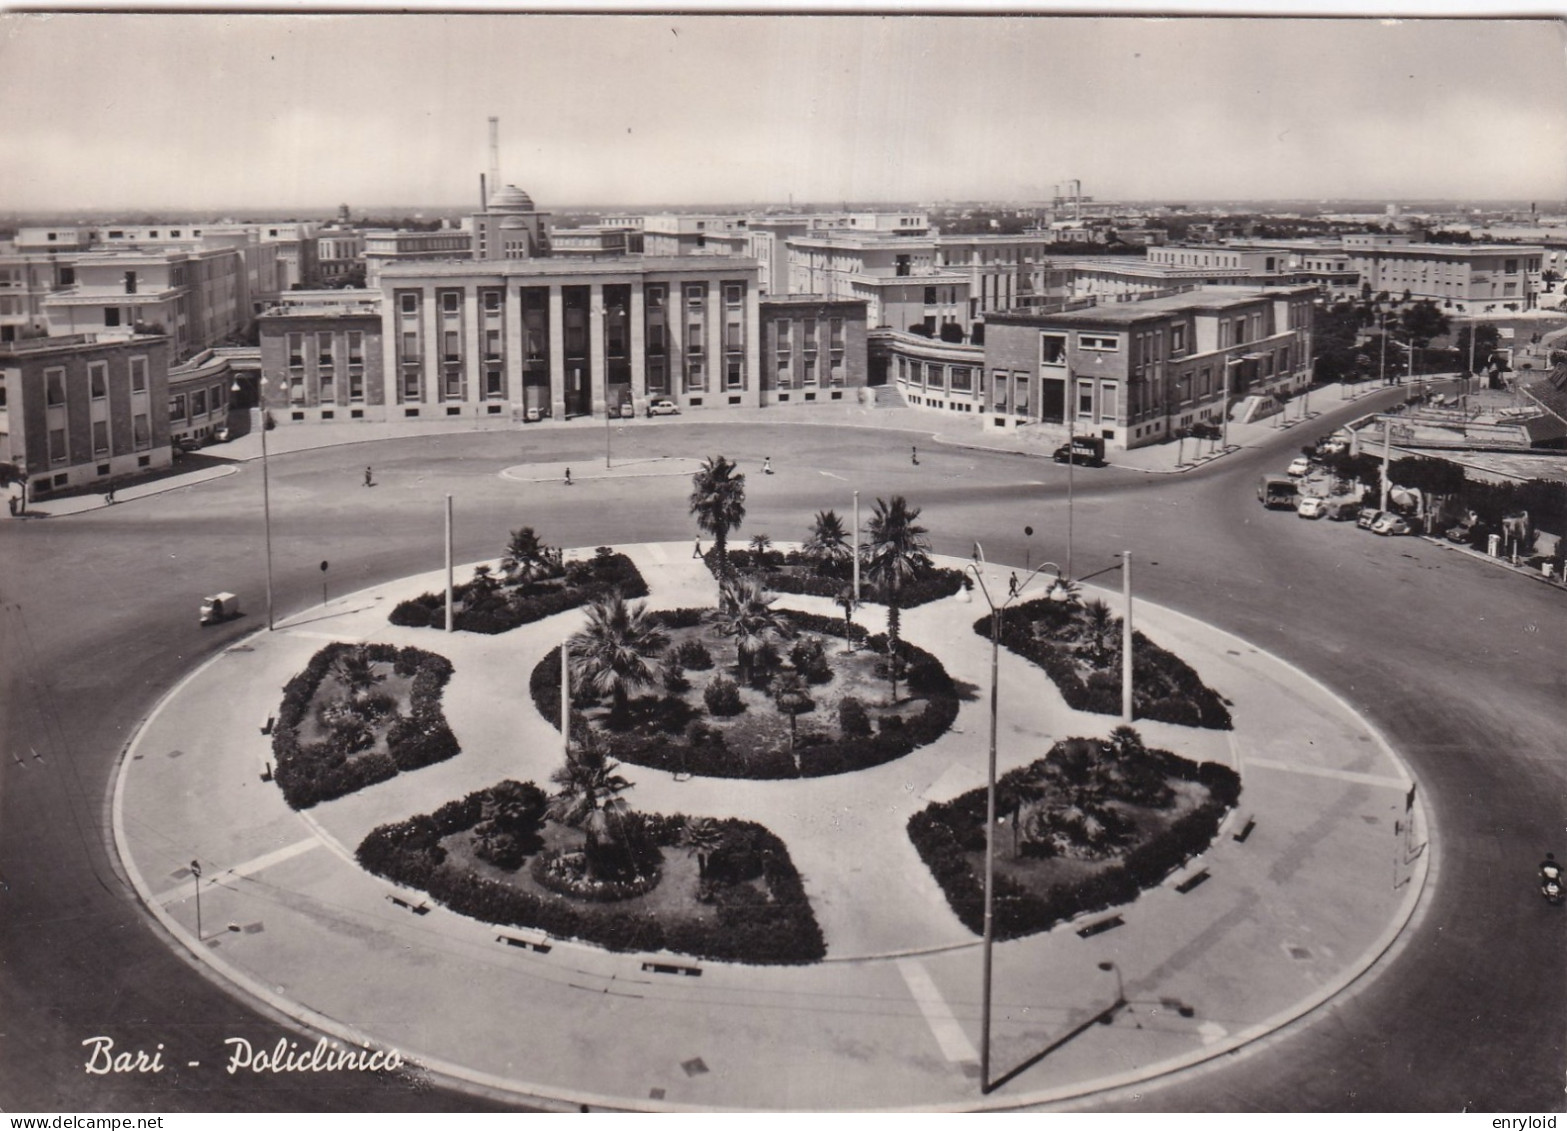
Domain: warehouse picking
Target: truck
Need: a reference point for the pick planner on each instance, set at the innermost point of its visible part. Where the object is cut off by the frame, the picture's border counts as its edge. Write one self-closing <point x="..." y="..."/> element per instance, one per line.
<point x="1277" y="491"/>
<point x="1083" y="451"/>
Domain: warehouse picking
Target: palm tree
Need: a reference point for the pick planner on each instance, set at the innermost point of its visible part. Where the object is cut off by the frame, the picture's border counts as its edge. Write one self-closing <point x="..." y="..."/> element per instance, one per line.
<point x="352" y="669"/>
<point x="703" y="837"/>
<point x="745" y="612"/>
<point x="610" y="655"/>
<point x="760" y="544"/>
<point x="718" y="502"/>
<point x="527" y="558"/>
<point x="1028" y="792"/>
<point x="846" y="601"/>
<point x="899" y="551"/>
<point x="829" y="546"/>
<point x="589" y="799"/>
<point x="1098" y="625"/>
<point x="793" y="698"/>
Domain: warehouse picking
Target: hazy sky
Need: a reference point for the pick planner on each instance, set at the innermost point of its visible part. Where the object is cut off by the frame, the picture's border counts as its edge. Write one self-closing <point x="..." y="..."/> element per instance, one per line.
<point x="201" y="111"/>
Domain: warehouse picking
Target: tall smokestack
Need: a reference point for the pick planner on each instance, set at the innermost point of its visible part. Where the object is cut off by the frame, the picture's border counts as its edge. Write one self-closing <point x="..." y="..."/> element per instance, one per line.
<point x="495" y="154"/>
<point x="484" y="195"/>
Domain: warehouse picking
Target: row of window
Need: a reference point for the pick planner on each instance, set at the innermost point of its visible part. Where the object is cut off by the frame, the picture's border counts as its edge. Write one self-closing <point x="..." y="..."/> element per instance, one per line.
<point x="97" y="380"/>
<point x="326" y="349"/>
<point x="695" y="295"/>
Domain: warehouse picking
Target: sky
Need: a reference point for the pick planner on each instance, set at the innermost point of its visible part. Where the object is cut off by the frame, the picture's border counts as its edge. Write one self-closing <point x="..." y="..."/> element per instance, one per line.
<point x="117" y="110"/>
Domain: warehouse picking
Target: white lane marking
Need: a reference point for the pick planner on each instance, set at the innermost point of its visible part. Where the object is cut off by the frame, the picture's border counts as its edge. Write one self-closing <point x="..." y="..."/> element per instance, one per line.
<point x="248" y="868"/>
<point x="1325" y="772"/>
<point x="954" y="1042"/>
<point x="832" y="475"/>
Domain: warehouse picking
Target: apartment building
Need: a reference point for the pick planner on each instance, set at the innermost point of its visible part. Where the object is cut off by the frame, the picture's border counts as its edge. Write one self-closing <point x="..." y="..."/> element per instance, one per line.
<point x="338" y="252"/>
<point x="1467" y="278"/>
<point x="1131" y="372"/>
<point x="386" y="247"/>
<point x="899" y="278"/>
<point x="321" y="357"/>
<point x="813" y="349"/>
<point x="78" y="411"/>
<point x="1005" y="271"/>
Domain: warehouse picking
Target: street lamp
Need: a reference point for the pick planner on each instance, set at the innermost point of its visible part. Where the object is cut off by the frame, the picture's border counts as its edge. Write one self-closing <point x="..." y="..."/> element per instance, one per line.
<point x="1120" y="985"/>
<point x="1058" y="592"/>
<point x="1224" y="417"/>
<point x="266" y="490"/>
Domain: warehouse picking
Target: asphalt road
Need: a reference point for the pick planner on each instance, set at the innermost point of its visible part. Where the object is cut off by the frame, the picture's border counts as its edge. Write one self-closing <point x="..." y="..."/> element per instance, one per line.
<point x="1460" y="664"/>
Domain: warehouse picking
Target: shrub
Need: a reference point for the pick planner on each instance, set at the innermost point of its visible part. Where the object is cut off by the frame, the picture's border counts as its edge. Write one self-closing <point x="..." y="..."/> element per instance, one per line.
<point x="672" y="673"/>
<point x="492" y="611"/>
<point x="810" y="659"/>
<point x="723" y="697"/>
<point x="853" y="720"/>
<point x="694" y="656"/>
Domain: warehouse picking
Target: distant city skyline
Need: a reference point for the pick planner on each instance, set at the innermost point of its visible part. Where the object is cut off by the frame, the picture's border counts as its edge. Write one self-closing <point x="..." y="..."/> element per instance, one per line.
<point x="283" y="112"/>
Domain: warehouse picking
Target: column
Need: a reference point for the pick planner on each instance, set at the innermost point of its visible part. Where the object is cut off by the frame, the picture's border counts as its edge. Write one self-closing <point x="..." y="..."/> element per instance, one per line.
<point x="557" y="347"/>
<point x="511" y="314"/>
<point x="638" y="346"/>
<point x="429" y="345"/>
<point x="472" y="345"/>
<point x="596" y="374"/>
<point x="752" y="328"/>
<point x="713" y="348"/>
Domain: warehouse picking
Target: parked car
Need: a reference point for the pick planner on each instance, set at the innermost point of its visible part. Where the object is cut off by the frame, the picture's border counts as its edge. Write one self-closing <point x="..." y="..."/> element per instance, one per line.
<point x="533" y="415"/>
<point x="1312" y="506"/>
<point x="221" y="434"/>
<point x="1298" y="467"/>
<point x="1083" y="451"/>
<point x="662" y="406"/>
<point x="1368" y="517"/>
<point x="1277" y="491"/>
<point x="1465" y="529"/>
<point x="1343" y="508"/>
<point x="1391" y="523"/>
<point x="628" y="411"/>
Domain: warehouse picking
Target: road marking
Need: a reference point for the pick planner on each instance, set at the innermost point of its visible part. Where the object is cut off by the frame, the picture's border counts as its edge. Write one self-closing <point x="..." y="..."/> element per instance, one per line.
<point x="832" y="475"/>
<point x="248" y="868"/>
<point x="1324" y="772"/>
<point x="954" y="1042"/>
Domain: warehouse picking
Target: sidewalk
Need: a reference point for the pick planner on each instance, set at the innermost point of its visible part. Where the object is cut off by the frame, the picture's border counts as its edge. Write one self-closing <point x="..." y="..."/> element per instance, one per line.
<point x="1288" y="917"/>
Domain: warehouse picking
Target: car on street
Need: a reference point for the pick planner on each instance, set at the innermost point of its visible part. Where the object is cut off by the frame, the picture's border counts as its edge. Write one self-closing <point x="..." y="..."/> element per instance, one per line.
<point x="1277" y="491"/>
<point x="533" y="414"/>
<point x="1341" y="508"/>
<point x="1312" y="506"/>
<point x="1083" y="451"/>
<point x="662" y="406"/>
<point x="1391" y="523"/>
<point x="627" y="411"/>
<point x="1368" y="517"/>
<point x="1298" y="467"/>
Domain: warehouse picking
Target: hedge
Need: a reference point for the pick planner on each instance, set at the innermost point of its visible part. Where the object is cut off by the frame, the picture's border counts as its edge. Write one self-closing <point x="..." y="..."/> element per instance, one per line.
<point x="777" y="574"/>
<point x="944" y="833"/>
<point x="1193" y="702"/>
<point x="775" y="928"/>
<point x="507" y="609"/>
<point x="702" y="751"/>
<point x="320" y="771"/>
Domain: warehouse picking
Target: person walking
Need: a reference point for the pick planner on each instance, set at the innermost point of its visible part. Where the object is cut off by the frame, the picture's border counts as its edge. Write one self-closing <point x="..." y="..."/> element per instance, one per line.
<point x="914" y="454"/>
<point x="767" y="466"/>
<point x="1012" y="585"/>
<point x="696" y="550"/>
<point x="369" y="478"/>
<point x="568" y="477"/>
<point x="108" y="496"/>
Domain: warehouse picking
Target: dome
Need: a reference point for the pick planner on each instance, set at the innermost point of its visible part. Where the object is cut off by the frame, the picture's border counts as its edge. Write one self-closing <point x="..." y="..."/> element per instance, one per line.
<point x="511" y="198"/>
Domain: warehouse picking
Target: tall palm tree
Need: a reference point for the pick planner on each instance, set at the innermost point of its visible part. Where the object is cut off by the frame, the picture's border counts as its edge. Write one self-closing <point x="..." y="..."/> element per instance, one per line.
<point x="589" y="799"/>
<point x="610" y="655"/>
<point x="718" y="502"/>
<point x="703" y="837"/>
<point x="760" y="544"/>
<point x="829" y="546"/>
<point x="1098" y="626"/>
<point x="745" y="612"/>
<point x="793" y="698"/>
<point x="527" y="558"/>
<point x="899" y="551"/>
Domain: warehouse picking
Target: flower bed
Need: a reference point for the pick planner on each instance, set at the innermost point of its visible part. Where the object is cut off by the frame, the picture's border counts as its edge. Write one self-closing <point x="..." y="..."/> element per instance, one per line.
<point x="1151" y="815"/>
<point x="751" y="907"/>
<point x="673" y="733"/>
<point x="492" y="608"/>
<point x="367" y="749"/>
<point x="1164" y="687"/>
<point x="791" y="573"/>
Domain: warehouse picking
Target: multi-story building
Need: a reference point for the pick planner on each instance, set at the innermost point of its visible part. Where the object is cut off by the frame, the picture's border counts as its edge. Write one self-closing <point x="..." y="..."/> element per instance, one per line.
<point x="813" y="348"/>
<point x="680" y="233"/>
<point x="930" y="374"/>
<point x="1132" y="372"/>
<point x="321" y="357"/>
<point x="339" y="251"/>
<point x="899" y="279"/>
<point x="385" y="247"/>
<point x="1005" y="271"/>
<point x="509" y="227"/>
<point x="26" y="280"/>
<point x="592" y="241"/>
<point x="200" y="392"/>
<point x="1113" y="278"/>
<point x="77" y="411"/>
<point x="1468" y="278"/>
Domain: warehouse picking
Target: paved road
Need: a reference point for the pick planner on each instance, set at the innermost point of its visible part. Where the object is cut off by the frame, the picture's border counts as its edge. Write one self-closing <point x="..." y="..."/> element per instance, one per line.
<point x="1458" y="663"/>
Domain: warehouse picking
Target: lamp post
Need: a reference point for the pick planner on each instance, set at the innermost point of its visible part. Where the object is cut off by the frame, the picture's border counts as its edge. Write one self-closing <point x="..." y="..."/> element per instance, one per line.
<point x="195" y="872"/>
<point x="1224" y="417"/>
<point x="266" y="491"/>
<point x="1058" y="592"/>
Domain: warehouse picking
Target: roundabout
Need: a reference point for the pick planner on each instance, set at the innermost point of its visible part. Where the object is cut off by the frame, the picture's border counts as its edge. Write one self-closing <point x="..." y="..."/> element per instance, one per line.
<point x="1308" y="884"/>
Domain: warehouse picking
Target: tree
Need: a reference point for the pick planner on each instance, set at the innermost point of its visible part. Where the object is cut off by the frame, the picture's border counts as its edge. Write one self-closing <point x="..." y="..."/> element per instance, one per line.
<point x="703" y="837"/>
<point x="354" y="671"/>
<point x="760" y="544"/>
<point x="718" y="502"/>
<point x="828" y="548"/>
<point x="1550" y="279"/>
<point x="845" y="601"/>
<point x="793" y="698"/>
<point x="527" y="558"/>
<point x="899" y="551"/>
<point x="745" y="612"/>
<point x="610" y="655"/>
<point x="1423" y="321"/>
<point x="589" y="800"/>
<point x="1098" y="625"/>
<point x="1486" y="339"/>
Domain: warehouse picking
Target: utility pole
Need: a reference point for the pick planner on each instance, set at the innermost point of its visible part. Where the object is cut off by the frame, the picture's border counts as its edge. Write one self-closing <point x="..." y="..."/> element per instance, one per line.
<point x="856" y="550"/>
<point x="1126" y="638"/>
<point x="449" y="596"/>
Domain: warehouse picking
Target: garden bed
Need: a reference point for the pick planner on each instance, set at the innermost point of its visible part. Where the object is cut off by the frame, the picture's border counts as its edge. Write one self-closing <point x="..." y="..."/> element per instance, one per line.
<point x="335" y="735"/>
<point x="490" y="606"/>
<point x="749" y="906"/>
<point x="1084" y="661"/>
<point x="1089" y="826"/>
<point x="849" y="727"/>
<point x="791" y="572"/>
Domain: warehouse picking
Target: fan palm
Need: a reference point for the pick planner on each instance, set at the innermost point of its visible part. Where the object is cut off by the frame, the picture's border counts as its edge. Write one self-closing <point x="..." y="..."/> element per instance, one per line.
<point x="760" y="544"/>
<point x="589" y="800"/>
<point x="718" y="502"/>
<point x="352" y="669"/>
<point x="829" y="546"/>
<point x="793" y="698"/>
<point x="899" y="551"/>
<point x="1098" y="626"/>
<point x="703" y="837"/>
<point x="745" y="612"/>
<point x="610" y="655"/>
<point x="527" y="558"/>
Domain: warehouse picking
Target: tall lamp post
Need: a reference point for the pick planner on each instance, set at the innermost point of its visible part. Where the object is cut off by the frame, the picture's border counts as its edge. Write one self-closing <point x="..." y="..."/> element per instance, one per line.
<point x="1224" y="417"/>
<point x="1058" y="592"/>
<point x="266" y="490"/>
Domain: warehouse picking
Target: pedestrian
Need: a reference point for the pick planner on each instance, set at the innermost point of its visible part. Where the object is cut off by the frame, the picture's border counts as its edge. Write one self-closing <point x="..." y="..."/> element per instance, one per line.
<point x="108" y="496"/>
<point x="914" y="454"/>
<point x="369" y="478"/>
<point x="1012" y="585"/>
<point x="696" y="551"/>
<point x="568" y="477"/>
<point x="767" y="466"/>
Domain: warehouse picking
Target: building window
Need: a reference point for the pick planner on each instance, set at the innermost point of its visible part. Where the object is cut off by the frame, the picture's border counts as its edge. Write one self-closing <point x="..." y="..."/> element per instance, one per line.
<point x="296" y="350"/>
<point x="492" y="344"/>
<point x="453" y="384"/>
<point x="356" y="385"/>
<point x="324" y="348"/>
<point x="100" y="437"/>
<point x="328" y="393"/>
<point x="696" y="380"/>
<point x="141" y="434"/>
<point x="1020" y="388"/>
<point x="930" y="296"/>
<point x="111" y="316"/>
<point x="492" y="301"/>
<point x="410" y="303"/>
<point x="452" y="350"/>
<point x="1177" y="340"/>
<point x="694" y="338"/>
<point x="734" y="373"/>
<point x="962" y="379"/>
<point x="696" y="294"/>
<point x="810" y="370"/>
<point x="54" y="381"/>
<point x="785" y="372"/>
<point x="138" y="374"/>
<point x="1098" y="342"/>
<point x="177" y="407"/>
<point x="1085" y="400"/>
<point x="493" y="387"/>
<point x="655" y="298"/>
<point x="57" y="451"/>
<point x="734" y="294"/>
<point x="835" y="369"/>
<point x="835" y="333"/>
<point x="410" y="345"/>
<point x="410" y="384"/>
<point x="784" y="326"/>
<point x="98" y="379"/>
<point x="1052" y="349"/>
<point x="1107" y="406"/>
<point x="449" y="302"/>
